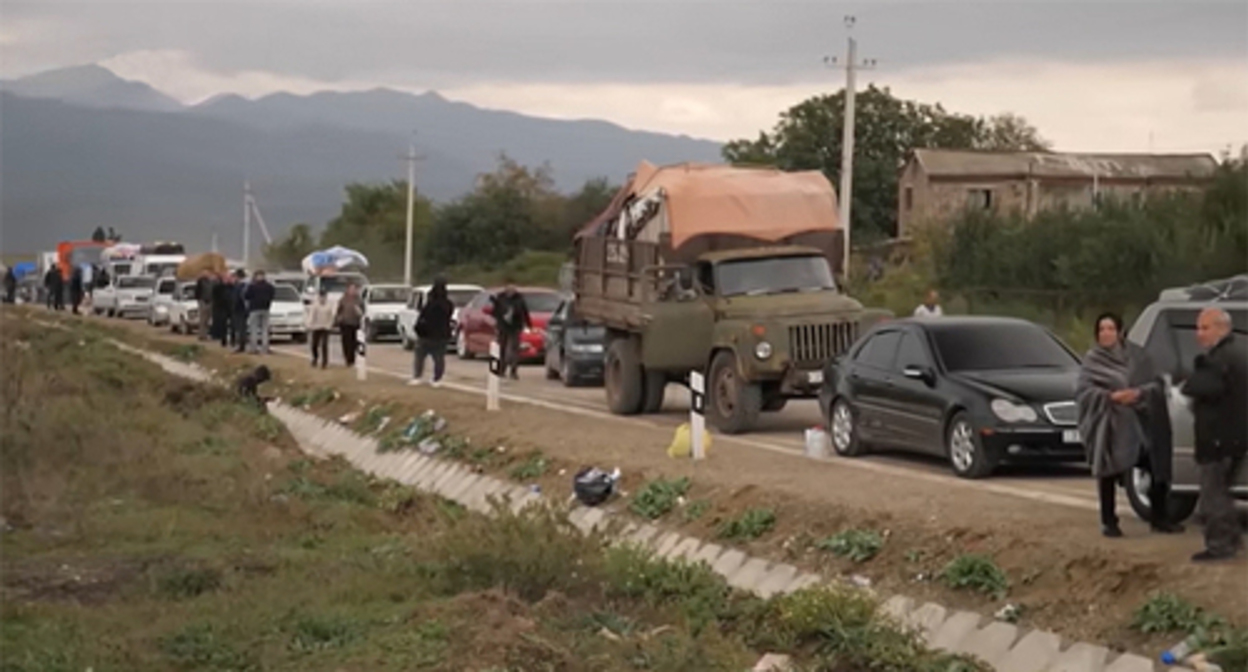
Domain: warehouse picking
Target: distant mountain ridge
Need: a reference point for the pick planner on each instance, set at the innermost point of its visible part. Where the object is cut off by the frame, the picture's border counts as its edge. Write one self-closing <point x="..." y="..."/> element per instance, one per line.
<point x="84" y="148"/>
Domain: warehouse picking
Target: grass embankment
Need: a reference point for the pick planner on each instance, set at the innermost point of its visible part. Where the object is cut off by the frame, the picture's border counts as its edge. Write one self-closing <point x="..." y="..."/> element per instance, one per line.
<point x="151" y="524"/>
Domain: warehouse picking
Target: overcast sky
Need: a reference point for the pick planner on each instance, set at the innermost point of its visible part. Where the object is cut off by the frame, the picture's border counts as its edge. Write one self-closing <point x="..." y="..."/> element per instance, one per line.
<point x="1093" y="75"/>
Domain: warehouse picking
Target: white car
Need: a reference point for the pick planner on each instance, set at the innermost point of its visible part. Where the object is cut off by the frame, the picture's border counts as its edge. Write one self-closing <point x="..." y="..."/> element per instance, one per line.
<point x="124" y="296"/>
<point x="286" y="313"/>
<point x="161" y="302"/>
<point x="460" y="295"/>
<point x="184" y="309"/>
<point x="334" y="285"/>
<point x="382" y="304"/>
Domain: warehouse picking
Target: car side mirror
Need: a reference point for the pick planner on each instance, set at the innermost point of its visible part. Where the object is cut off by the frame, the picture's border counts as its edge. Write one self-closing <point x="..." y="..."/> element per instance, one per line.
<point x="922" y="373"/>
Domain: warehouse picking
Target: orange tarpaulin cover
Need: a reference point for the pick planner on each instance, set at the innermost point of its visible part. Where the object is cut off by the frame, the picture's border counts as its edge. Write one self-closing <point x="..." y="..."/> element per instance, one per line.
<point x="763" y="203"/>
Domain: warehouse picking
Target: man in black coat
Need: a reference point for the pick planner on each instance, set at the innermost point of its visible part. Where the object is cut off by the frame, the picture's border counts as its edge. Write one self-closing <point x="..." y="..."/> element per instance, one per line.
<point x="10" y="286"/>
<point x="1219" y="389"/>
<point x="511" y="316"/>
<point x="222" y="308"/>
<point x="75" y="289"/>
<point x="239" y="319"/>
<point x="433" y="331"/>
<point x="54" y="283"/>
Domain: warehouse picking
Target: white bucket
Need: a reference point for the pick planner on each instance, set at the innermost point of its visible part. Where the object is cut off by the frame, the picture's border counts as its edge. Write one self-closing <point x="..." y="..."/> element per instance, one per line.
<point x="817" y="443"/>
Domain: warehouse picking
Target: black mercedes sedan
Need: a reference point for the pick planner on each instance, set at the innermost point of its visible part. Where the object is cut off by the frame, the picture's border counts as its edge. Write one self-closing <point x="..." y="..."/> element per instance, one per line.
<point x="978" y="391"/>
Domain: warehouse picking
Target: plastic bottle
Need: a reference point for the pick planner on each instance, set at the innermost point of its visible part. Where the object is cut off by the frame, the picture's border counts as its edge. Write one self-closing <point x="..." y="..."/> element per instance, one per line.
<point x="1177" y="653"/>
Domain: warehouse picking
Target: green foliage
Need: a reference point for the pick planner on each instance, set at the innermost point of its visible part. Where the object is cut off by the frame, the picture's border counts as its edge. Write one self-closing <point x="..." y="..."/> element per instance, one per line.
<point x="857" y="545"/>
<point x="373" y="419"/>
<point x="634" y="572"/>
<point x="313" y="634"/>
<point x="752" y="524"/>
<point x="978" y="573"/>
<point x="696" y="510"/>
<point x="657" y="497"/>
<point x="808" y="137"/>
<point x="187" y="352"/>
<point x="204" y="647"/>
<point x="532" y="468"/>
<point x="1168" y="613"/>
<point x="181" y="583"/>
<point x="313" y="398"/>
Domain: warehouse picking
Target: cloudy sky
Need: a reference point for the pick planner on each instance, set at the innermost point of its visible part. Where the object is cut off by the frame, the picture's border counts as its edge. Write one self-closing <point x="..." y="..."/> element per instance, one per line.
<point x="1097" y="75"/>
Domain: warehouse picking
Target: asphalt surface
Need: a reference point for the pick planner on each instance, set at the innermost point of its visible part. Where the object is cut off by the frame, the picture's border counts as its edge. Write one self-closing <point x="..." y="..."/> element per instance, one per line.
<point x="780" y="432"/>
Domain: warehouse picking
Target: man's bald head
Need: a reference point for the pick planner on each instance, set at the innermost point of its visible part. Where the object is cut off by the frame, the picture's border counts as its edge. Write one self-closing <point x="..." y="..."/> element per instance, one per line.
<point x="1212" y="326"/>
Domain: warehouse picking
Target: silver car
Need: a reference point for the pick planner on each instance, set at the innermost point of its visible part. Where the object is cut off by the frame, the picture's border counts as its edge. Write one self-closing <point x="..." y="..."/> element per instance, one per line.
<point x="1167" y="330"/>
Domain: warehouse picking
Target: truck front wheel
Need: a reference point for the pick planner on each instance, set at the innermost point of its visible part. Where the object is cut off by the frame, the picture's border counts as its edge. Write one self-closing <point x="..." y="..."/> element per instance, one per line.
<point x="623" y="377"/>
<point x="732" y="404"/>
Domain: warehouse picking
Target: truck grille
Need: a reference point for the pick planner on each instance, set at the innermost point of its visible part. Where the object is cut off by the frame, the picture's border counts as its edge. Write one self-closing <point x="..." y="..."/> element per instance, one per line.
<point x="818" y="343"/>
<point x="1062" y="413"/>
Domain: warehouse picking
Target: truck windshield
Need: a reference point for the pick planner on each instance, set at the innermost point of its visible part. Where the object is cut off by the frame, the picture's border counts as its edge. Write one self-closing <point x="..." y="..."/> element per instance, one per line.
<point x="338" y="283"/>
<point x="774" y="275"/>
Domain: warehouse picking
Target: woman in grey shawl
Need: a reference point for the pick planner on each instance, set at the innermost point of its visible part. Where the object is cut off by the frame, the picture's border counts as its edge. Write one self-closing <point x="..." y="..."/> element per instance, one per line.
<point x="1123" y="421"/>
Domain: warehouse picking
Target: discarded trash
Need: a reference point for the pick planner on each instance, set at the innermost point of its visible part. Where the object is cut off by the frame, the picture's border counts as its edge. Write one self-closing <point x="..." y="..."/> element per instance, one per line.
<point x="860" y="581"/>
<point x="593" y="486"/>
<point x="1009" y="613"/>
<point x="429" y="446"/>
<point x="608" y="635"/>
<point x="817" y="442"/>
<point x="535" y="489"/>
<point x="349" y="418"/>
<point x="382" y="425"/>
<point x="773" y="662"/>
<point x="682" y="443"/>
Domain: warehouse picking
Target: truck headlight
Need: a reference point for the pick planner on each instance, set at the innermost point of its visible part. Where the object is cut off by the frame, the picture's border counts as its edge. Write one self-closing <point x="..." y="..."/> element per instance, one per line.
<point x="162" y="310"/>
<point x="586" y="348"/>
<point x="1009" y="411"/>
<point x="762" y="350"/>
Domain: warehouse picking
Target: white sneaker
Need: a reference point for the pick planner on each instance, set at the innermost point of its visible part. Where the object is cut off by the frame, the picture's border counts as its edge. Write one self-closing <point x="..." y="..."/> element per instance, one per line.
<point x="436" y="383"/>
<point x="415" y="382"/>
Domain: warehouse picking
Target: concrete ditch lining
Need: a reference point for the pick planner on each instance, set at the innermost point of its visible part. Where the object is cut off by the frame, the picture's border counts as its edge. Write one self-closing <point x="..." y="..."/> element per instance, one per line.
<point x="1005" y="647"/>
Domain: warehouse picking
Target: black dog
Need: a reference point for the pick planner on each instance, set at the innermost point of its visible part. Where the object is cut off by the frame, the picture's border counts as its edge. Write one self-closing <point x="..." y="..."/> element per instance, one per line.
<point x="246" y="386"/>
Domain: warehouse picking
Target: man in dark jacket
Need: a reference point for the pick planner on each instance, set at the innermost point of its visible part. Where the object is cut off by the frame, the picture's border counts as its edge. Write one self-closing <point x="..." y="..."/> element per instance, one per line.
<point x="511" y="315"/>
<point x="75" y="289"/>
<point x="55" y="286"/>
<point x="1219" y="389"/>
<point x="222" y="308"/>
<point x="239" y="319"/>
<point x="203" y="296"/>
<point x="10" y="286"/>
<point x="433" y="331"/>
<point x="259" y="298"/>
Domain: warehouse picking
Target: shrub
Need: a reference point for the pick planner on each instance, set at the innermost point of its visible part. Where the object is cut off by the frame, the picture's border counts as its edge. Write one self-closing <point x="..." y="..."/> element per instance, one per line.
<point x="320" y="633"/>
<point x="185" y="583"/>
<point x="657" y="497"/>
<point x="696" y="510"/>
<point x="857" y="545"/>
<point x="202" y="647"/>
<point x="978" y="573"/>
<point x="634" y="572"/>
<point x="752" y="524"/>
<point x="532" y="468"/>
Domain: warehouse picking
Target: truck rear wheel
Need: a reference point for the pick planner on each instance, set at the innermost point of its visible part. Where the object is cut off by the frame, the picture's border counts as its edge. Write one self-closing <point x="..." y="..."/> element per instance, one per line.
<point x="732" y="404"/>
<point x="623" y="377"/>
<point x="655" y="384"/>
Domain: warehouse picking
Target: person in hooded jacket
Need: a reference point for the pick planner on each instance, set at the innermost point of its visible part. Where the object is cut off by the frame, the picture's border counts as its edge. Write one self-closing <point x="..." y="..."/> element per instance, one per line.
<point x="433" y="332"/>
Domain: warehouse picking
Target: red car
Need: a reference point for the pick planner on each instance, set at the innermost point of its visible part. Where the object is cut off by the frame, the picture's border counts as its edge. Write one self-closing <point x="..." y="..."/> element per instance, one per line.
<point x="476" y="324"/>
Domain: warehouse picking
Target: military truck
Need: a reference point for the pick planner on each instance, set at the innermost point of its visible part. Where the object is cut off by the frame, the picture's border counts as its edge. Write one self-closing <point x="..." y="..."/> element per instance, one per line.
<point x="721" y="270"/>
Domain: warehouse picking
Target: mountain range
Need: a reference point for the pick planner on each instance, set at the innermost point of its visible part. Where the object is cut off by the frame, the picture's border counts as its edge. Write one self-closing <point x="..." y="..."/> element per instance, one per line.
<point x="83" y="148"/>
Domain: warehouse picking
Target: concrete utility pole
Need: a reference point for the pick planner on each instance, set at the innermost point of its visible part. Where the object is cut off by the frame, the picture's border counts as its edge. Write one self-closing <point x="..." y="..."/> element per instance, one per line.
<point x="246" y="222"/>
<point x="411" y="205"/>
<point x="846" y="195"/>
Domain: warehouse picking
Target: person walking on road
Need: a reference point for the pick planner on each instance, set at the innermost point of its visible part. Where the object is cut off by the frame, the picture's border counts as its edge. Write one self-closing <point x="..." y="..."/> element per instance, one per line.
<point x="75" y="289"/>
<point x="511" y="315"/>
<point x="1123" y="422"/>
<point x="1218" y="387"/>
<point x="259" y="298"/>
<point x="319" y="319"/>
<point x="203" y="297"/>
<point x="433" y="332"/>
<point x="10" y="286"/>
<point x="930" y="306"/>
<point x="54" y="284"/>
<point x="347" y="316"/>
<point x="238" y="320"/>
<point x="222" y="308"/>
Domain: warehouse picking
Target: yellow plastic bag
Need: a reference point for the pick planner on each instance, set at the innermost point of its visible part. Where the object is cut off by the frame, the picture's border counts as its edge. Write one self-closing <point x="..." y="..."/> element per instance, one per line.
<point x="682" y="443"/>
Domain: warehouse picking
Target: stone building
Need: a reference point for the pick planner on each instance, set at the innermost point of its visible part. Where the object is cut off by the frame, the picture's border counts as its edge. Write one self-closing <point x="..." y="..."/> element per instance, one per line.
<point x="937" y="183"/>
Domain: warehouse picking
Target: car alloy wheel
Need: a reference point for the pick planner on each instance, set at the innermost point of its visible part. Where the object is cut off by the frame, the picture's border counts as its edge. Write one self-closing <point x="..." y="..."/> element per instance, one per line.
<point x="966" y="454"/>
<point x="565" y="372"/>
<point x="844" y="439"/>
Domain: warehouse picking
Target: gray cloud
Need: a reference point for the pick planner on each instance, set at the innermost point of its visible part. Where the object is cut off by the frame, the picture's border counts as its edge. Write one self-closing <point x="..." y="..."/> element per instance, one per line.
<point x="448" y="43"/>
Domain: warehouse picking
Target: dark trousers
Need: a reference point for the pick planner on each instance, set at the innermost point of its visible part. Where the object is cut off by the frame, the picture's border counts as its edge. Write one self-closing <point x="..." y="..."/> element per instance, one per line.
<point x="1107" y="488"/>
<point x="238" y="324"/>
<point x="350" y="342"/>
<point x="1222" y="532"/>
<point x="58" y="298"/>
<point x="221" y="327"/>
<point x="430" y="347"/>
<point x="509" y="349"/>
<point x="320" y="347"/>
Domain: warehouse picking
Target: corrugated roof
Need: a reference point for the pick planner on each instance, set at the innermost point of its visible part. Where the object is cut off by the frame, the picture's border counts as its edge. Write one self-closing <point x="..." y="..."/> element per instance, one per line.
<point x="948" y="162"/>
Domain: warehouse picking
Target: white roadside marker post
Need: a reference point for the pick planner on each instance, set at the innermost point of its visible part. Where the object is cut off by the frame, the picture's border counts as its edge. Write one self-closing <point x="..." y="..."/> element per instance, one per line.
<point x="491" y="379"/>
<point x="697" y="408"/>
<point x="361" y="366"/>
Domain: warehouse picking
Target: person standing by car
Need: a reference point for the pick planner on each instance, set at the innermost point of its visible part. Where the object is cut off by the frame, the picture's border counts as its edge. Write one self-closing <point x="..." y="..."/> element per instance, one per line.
<point x="930" y="306"/>
<point x="75" y="289"/>
<point x="55" y="286"/>
<point x="433" y="332"/>
<point x="1123" y="422"/>
<point x="1218" y="387"/>
<point x="203" y="297"/>
<point x="319" y="319"/>
<point x="238" y="320"/>
<point x="222" y="307"/>
<point x="347" y="316"/>
<point x="511" y="315"/>
<point x="259" y="297"/>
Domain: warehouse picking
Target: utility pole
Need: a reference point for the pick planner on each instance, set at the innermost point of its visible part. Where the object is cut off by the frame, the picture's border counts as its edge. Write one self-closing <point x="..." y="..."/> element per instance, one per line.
<point x="246" y="222"/>
<point x="846" y="195"/>
<point x="214" y="242"/>
<point x="412" y="158"/>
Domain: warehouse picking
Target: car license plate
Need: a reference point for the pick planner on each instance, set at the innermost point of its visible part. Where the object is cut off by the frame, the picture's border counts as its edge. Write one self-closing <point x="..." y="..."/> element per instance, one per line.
<point x="814" y="377"/>
<point x="1071" y="436"/>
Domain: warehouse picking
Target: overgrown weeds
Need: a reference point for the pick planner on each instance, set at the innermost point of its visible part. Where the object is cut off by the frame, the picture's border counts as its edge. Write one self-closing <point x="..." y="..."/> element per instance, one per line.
<point x="750" y="525"/>
<point x="531" y="468"/>
<point x="657" y="497"/>
<point x="978" y="573"/>
<point x="1168" y="613"/>
<point x="856" y="545"/>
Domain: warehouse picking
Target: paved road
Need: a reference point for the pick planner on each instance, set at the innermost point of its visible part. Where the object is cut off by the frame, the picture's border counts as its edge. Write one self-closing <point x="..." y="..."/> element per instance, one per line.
<point x="778" y="432"/>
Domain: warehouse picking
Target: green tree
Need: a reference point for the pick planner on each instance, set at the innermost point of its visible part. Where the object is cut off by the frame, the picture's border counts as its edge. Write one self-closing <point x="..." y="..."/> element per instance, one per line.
<point x="289" y="251"/>
<point x="887" y="130"/>
<point x="98" y="235"/>
<point x="373" y="220"/>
